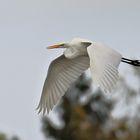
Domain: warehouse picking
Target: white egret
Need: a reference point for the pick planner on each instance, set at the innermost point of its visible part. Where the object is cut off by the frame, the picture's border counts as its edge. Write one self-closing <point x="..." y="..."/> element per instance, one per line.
<point x="79" y="55"/>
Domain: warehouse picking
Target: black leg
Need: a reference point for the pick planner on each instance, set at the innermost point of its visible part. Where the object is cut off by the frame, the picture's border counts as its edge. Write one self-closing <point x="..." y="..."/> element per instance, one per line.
<point x="131" y="62"/>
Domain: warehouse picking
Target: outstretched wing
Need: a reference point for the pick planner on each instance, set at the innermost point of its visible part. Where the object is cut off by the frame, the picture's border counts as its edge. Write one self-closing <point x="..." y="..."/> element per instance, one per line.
<point x="104" y="63"/>
<point x="61" y="74"/>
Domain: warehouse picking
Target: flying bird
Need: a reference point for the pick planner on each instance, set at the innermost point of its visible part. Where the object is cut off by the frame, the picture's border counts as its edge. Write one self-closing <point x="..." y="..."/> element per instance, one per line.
<point x="79" y="55"/>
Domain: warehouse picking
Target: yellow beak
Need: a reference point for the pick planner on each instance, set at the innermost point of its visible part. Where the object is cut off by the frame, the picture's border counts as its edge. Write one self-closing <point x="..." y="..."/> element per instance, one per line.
<point x="56" y="46"/>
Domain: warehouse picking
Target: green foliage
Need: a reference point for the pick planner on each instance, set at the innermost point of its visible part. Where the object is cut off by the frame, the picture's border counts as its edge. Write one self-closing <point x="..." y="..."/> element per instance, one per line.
<point x="5" y="137"/>
<point x="84" y="115"/>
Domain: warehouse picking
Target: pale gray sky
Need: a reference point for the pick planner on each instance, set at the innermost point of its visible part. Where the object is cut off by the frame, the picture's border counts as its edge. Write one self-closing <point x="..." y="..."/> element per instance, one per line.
<point x="28" y="26"/>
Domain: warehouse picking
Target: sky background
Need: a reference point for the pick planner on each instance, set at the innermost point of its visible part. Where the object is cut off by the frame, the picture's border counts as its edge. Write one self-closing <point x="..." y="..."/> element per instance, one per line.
<point x="27" y="27"/>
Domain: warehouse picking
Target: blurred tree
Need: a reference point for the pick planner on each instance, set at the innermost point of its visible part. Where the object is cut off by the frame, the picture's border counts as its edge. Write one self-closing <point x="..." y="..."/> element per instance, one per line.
<point x="14" y="138"/>
<point x="5" y="137"/>
<point x="81" y="113"/>
<point x="84" y="115"/>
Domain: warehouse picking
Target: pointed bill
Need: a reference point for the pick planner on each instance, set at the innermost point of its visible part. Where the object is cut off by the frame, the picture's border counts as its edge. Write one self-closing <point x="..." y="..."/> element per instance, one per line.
<point x="56" y="46"/>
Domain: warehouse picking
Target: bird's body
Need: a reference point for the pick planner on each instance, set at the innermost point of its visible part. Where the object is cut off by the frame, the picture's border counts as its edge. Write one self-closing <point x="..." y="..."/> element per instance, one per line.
<point x="79" y="55"/>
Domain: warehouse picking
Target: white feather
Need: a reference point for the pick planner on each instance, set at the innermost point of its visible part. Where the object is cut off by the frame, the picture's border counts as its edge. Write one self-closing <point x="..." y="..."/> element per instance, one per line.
<point x="104" y="63"/>
<point x="64" y="70"/>
<point x="62" y="73"/>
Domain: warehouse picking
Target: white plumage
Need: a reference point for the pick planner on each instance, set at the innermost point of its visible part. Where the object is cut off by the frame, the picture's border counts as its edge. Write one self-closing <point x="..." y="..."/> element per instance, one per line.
<point x="62" y="73"/>
<point x="104" y="63"/>
<point x="80" y="54"/>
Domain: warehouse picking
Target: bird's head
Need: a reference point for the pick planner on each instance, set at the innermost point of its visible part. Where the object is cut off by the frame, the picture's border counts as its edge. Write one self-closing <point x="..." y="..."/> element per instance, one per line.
<point x="76" y="43"/>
